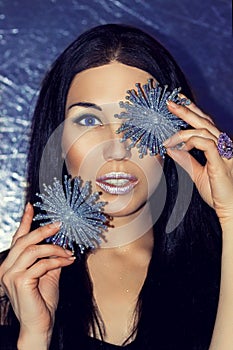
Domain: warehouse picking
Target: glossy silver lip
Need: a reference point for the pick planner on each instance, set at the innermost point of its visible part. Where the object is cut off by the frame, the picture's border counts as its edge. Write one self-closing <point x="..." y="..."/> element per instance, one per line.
<point x="117" y="182"/>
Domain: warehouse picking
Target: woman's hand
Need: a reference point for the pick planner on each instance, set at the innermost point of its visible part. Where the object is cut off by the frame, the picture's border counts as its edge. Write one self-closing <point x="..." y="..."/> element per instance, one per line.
<point x="214" y="181"/>
<point x="30" y="276"/>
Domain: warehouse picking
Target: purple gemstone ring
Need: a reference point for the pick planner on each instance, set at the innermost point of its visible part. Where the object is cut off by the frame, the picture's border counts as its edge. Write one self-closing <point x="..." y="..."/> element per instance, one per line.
<point x="225" y="146"/>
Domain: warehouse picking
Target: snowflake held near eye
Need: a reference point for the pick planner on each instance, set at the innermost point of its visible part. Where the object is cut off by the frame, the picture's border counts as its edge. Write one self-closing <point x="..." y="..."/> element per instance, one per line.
<point x="148" y="122"/>
<point x="76" y="207"/>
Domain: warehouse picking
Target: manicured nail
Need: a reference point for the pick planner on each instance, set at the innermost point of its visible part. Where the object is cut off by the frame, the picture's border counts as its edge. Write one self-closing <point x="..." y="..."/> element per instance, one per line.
<point x="180" y="146"/>
<point x="27" y="207"/>
<point x="55" y="224"/>
<point x="172" y="104"/>
<point x="72" y="258"/>
<point x="69" y="252"/>
<point x="185" y="102"/>
<point x="166" y="142"/>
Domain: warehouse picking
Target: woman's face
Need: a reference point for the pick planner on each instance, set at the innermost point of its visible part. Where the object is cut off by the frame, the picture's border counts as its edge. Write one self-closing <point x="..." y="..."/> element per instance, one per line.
<point x="93" y="150"/>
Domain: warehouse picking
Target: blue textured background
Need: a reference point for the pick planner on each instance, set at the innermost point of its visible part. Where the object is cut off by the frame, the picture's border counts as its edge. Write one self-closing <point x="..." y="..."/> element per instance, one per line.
<point x="33" y="33"/>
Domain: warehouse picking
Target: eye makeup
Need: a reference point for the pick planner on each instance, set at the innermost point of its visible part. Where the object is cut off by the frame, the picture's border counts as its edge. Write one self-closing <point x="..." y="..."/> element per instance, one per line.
<point x="87" y="119"/>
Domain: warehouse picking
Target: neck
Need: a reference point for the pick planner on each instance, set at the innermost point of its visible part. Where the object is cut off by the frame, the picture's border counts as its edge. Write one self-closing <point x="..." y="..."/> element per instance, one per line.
<point x="130" y="230"/>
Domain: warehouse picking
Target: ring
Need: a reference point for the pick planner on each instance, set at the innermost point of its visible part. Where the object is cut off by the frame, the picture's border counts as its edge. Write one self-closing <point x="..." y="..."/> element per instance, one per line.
<point x="225" y="146"/>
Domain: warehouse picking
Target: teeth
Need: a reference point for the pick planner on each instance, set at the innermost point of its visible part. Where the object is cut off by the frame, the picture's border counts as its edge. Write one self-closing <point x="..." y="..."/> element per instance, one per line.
<point x="117" y="175"/>
<point x="117" y="182"/>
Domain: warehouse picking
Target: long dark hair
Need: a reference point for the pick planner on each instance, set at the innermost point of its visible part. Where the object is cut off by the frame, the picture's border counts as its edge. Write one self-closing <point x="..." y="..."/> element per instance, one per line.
<point x="177" y="304"/>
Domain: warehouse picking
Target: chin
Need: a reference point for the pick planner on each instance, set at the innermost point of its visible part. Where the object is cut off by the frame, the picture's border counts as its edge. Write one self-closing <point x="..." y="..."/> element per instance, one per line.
<point x="122" y="207"/>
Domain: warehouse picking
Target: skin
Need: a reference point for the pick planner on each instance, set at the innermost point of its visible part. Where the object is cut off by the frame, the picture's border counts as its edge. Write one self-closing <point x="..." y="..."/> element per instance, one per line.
<point x="104" y="152"/>
<point x="32" y="285"/>
<point x="129" y="212"/>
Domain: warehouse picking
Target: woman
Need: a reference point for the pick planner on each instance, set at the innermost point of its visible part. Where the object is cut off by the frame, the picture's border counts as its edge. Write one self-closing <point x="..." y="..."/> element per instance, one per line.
<point x="149" y="289"/>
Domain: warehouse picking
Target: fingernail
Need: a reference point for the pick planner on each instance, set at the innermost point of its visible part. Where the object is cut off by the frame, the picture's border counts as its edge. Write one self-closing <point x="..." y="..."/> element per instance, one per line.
<point x="72" y="258"/>
<point x="55" y="224"/>
<point x="69" y="252"/>
<point x="185" y="102"/>
<point x="166" y="142"/>
<point x="172" y="104"/>
<point x="180" y="146"/>
<point x="27" y="207"/>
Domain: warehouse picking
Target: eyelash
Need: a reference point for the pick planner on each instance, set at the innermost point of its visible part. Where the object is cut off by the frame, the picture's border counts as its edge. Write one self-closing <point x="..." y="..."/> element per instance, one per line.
<point x="81" y="118"/>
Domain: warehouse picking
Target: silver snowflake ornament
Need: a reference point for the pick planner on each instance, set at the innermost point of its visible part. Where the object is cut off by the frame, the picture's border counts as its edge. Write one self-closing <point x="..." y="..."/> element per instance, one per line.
<point x="147" y="120"/>
<point x="76" y="207"/>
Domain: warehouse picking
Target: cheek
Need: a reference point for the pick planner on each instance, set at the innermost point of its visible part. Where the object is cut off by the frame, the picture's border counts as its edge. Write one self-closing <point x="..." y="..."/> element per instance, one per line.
<point x="154" y="177"/>
<point x="73" y="159"/>
<point x="74" y="148"/>
<point x="152" y="172"/>
<point x="155" y="189"/>
<point x="83" y="154"/>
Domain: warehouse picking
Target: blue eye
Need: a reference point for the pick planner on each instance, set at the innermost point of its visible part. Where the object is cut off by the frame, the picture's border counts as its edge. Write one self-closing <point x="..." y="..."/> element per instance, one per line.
<point x="88" y="120"/>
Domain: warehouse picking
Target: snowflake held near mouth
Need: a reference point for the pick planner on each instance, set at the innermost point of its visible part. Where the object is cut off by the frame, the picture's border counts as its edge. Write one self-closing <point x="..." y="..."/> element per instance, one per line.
<point x="148" y="122"/>
<point x="76" y="207"/>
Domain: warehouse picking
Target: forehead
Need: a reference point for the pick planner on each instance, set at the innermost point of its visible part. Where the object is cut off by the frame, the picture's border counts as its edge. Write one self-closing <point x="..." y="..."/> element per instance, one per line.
<point x="105" y="84"/>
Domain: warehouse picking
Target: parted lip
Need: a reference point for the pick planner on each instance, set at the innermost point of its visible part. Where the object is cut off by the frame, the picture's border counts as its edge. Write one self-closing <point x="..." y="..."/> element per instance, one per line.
<point x="117" y="182"/>
<point x="117" y="175"/>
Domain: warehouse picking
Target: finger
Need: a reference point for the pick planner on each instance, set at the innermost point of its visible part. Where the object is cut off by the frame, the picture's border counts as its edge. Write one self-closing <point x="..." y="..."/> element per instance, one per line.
<point x="37" y="270"/>
<point x="186" y="161"/>
<point x="37" y="235"/>
<point x="189" y="163"/>
<point x="46" y="265"/>
<point x="184" y="135"/>
<point x="25" y="282"/>
<point x="215" y="162"/>
<point x="193" y="168"/>
<point x="193" y="107"/>
<point x="25" y="223"/>
<point x="192" y="118"/>
<point x="32" y="253"/>
<point x="26" y="240"/>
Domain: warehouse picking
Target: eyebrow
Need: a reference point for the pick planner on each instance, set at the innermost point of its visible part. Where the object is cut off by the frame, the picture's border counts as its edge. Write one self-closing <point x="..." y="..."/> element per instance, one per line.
<point x="86" y="105"/>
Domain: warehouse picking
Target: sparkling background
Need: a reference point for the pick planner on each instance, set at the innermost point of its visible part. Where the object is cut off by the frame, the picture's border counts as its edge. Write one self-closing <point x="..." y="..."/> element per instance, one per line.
<point x="33" y="33"/>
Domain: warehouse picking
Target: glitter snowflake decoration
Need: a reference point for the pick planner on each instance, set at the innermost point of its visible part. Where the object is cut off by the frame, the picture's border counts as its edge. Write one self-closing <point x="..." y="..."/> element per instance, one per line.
<point x="148" y="122"/>
<point x="81" y="216"/>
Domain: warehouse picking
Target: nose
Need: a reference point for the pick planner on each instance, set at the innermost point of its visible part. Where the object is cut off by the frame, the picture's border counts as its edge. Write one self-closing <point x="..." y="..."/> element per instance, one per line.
<point x="114" y="149"/>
